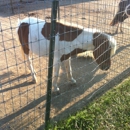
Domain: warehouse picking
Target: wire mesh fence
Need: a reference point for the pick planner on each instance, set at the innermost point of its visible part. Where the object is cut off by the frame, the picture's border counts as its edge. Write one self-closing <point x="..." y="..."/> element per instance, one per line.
<point x="22" y="102"/>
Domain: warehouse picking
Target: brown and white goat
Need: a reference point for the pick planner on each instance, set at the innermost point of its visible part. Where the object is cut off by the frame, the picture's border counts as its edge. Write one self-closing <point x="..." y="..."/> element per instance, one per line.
<point x="34" y="36"/>
<point x="122" y="13"/>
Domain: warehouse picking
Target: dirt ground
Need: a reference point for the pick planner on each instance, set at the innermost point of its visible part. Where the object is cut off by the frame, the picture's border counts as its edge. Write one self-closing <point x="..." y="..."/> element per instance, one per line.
<point x="22" y="103"/>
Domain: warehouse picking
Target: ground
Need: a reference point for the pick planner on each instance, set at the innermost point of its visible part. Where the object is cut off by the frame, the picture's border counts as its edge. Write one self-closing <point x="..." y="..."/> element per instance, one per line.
<point x="22" y="103"/>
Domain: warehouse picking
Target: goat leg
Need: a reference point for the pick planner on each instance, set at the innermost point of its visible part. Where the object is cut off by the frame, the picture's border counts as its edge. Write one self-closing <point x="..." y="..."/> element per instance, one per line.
<point x="117" y="29"/>
<point x="121" y="28"/>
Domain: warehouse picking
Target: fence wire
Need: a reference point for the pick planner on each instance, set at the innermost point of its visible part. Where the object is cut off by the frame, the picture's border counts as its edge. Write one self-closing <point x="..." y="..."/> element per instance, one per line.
<point x="22" y="102"/>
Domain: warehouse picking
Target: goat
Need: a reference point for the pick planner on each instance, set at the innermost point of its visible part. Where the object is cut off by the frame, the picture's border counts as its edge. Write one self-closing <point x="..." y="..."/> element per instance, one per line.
<point x="34" y="36"/>
<point x="122" y="13"/>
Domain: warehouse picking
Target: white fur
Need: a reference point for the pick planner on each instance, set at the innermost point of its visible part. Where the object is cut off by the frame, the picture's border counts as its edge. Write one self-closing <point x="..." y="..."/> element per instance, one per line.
<point x="39" y="45"/>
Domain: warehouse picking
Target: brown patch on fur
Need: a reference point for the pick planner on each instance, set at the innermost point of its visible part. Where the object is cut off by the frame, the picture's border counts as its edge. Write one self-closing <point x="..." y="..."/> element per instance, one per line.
<point x="102" y="51"/>
<point x="23" y="32"/>
<point x="66" y="33"/>
<point x="74" y="52"/>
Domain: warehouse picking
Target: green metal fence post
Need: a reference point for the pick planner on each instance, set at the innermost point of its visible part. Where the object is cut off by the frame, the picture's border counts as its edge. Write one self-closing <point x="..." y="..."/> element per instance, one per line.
<point x="55" y="4"/>
<point x="12" y="8"/>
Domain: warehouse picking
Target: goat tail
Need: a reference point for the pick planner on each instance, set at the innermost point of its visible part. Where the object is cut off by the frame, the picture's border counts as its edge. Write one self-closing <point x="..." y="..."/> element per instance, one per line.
<point x="115" y="20"/>
<point x="112" y="23"/>
<point x="21" y="47"/>
<point x="18" y="40"/>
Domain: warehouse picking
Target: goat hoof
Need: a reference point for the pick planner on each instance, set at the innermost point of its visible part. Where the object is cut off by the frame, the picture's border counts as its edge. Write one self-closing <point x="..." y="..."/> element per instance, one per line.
<point x="121" y="32"/>
<point x="34" y="81"/>
<point x="72" y="81"/>
<point x="56" y="91"/>
<point x="35" y="73"/>
<point x="116" y="32"/>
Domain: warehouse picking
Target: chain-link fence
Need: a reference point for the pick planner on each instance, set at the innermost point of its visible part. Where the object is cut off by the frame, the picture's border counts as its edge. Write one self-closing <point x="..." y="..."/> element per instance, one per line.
<point x="23" y="102"/>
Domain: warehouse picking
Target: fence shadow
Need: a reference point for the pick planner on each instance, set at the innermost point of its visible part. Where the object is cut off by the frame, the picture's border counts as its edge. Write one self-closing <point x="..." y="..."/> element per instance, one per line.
<point x="88" y="98"/>
<point x="22" y="110"/>
<point x="85" y="77"/>
<point x="94" y="95"/>
<point x="5" y="75"/>
<point x="55" y="103"/>
<point x="99" y="92"/>
<point x="5" y="88"/>
<point x="13" y="80"/>
<point x="68" y="92"/>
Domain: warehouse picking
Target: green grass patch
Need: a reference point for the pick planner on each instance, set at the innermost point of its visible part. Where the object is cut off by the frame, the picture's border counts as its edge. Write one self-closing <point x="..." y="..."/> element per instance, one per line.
<point x="109" y="112"/>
